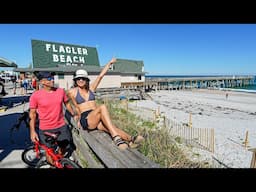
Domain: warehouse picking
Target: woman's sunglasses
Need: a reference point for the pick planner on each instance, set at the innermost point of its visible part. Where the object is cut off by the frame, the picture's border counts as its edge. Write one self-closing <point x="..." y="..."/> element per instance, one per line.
<point x="80" y="79"/>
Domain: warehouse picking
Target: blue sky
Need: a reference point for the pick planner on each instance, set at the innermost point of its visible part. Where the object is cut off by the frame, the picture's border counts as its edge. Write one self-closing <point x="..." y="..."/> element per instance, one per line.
<point x="165" y="49"/>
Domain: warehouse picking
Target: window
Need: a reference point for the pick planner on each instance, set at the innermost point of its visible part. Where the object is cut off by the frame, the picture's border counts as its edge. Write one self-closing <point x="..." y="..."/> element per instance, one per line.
<point x="61" y="76"/>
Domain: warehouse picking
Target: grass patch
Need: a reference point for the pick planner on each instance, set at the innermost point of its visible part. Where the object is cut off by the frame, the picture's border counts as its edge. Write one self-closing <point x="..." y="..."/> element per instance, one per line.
<point x="159" y="146"/>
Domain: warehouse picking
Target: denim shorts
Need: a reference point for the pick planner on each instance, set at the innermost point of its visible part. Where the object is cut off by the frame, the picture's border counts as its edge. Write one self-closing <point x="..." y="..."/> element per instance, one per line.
<point x="83" y="119"/>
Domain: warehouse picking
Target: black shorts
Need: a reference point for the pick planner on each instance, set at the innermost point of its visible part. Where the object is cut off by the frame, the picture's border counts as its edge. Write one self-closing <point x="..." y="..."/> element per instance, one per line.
<point x="64" y="139"/>
<point x="83" y="119"/>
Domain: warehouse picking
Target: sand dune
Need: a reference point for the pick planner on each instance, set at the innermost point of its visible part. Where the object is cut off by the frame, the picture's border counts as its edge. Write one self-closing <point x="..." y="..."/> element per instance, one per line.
<point x="230" y="117"/>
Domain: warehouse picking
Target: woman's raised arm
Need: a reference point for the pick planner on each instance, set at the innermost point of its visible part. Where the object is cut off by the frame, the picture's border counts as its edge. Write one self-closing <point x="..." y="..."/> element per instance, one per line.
<point x="97" y="81"/>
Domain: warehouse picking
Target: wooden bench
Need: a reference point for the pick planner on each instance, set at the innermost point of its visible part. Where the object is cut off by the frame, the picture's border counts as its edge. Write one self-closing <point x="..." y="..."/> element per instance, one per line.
<point x="95" y="149"/>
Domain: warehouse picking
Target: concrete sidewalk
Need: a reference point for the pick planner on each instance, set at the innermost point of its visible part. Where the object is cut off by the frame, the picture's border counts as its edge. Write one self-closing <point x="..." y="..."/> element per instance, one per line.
<point x="12" y="145"/>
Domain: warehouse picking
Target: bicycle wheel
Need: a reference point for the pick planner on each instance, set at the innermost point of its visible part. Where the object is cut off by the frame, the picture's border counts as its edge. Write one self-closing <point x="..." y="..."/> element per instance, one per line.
<point x="42" y="163"/>
<point x="28" y="156"/>
<point x="67" y="163"/>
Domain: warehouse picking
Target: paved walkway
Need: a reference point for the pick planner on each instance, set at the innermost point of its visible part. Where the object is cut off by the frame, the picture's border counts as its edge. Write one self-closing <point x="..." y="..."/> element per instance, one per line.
<point x="11" y="146"/>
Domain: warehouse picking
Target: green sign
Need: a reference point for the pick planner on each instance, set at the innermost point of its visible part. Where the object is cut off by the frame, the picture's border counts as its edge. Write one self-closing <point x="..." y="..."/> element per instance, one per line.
<point x="51" y="54"/>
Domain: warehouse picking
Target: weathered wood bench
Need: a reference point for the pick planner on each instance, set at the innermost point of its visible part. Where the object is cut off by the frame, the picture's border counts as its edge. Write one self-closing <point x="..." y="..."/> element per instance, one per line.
<point x="95" y="149"/>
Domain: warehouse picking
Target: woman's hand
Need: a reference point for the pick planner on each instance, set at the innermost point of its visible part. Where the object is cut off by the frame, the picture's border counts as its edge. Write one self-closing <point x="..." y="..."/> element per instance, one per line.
<point x="113" y="60"/>
<point x="77" y="120"/>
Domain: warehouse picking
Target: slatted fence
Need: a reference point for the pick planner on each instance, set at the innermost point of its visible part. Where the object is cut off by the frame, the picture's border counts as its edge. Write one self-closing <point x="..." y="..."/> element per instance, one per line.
<point x="199" y="137"/>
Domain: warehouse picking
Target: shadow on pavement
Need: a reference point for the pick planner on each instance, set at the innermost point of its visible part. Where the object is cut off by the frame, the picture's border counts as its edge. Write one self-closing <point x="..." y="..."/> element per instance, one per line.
<point x="13" y="101"/>
<point x="19" y="138"/>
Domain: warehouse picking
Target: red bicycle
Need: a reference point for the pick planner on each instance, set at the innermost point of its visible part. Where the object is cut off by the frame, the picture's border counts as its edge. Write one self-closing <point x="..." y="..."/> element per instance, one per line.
<point x="35" y="155"/>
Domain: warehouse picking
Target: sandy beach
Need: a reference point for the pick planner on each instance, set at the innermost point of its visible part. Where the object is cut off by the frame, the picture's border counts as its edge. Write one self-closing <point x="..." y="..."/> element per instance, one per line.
<point x="230" y="117"/>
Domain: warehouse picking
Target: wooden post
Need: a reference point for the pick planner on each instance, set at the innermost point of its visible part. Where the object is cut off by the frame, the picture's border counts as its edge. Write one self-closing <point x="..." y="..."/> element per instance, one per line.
<point x="126" y="101"/>
<point x="190" y="120"/>
<point x="164" y="121"/>
<point x="155" y="115"/>
<point x="212" y="138"/>
<point x="246" y="142"/>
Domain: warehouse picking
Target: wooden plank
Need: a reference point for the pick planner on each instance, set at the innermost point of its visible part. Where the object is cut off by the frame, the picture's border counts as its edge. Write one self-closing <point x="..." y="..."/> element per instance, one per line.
<point x="253" y="161"/>
<point x="138" y="160"/>
<point x="252" y="149"/>
<point x="102" y="151"/>
<point x="82" y="145"/>
<point x="145" y="161"/>
<point x="117" y="154"/>
<point x="131" y="158"/>
<point x="108" y="153"/>
<point x="83" y="148"/>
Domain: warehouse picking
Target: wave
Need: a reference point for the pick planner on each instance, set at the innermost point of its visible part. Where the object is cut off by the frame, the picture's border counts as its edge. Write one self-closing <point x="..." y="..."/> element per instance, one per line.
<point x="238" y="90"/>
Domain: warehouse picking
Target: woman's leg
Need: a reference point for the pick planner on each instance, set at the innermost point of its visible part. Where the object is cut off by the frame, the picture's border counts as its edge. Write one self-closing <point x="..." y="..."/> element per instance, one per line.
<point x="125" y="136"/>
<point x="100" y="118"/>
<point x="101" y="114"/>
<point x="133" y="141"/>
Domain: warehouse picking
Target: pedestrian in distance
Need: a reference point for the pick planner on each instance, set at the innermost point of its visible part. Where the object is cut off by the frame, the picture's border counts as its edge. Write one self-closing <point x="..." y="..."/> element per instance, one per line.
<point x="34" y="83"/>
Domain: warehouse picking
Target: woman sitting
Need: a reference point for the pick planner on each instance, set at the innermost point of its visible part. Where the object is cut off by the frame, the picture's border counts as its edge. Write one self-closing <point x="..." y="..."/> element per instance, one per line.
<point x="92" y="116"/>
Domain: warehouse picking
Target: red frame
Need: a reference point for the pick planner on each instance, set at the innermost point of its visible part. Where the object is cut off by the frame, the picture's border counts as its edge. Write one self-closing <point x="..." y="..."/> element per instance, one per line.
<point x="55" y="157"/>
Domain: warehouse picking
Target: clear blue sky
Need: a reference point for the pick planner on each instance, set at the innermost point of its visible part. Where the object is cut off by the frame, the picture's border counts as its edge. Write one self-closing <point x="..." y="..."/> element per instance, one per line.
<point x="166" y="49"/>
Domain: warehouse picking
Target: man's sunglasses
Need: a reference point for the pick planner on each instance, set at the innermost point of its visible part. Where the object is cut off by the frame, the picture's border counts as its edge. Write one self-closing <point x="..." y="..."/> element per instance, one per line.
<point x="50" y="78"/>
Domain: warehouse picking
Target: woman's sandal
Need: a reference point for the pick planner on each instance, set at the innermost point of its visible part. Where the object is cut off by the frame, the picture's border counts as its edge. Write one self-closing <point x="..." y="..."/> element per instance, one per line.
<point x="118" y="141"/>
<point x="135" y="141"/>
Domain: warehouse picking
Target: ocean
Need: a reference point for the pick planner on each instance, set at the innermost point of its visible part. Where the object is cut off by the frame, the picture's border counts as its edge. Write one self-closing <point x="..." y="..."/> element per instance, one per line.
<point x="250" y="87"/>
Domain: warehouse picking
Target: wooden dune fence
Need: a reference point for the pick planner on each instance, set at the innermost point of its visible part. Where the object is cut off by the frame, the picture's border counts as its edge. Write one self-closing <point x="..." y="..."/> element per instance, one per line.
<point x="198" y="137"/>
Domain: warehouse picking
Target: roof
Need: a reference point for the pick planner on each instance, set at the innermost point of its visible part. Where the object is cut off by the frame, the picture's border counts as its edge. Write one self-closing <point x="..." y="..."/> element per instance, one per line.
<point x="6" y="63"/>
<point x="129" y="66"/>
<point x="71" y="70"/>
<point x="122" y="66"/>
<point x="61" y="69"/>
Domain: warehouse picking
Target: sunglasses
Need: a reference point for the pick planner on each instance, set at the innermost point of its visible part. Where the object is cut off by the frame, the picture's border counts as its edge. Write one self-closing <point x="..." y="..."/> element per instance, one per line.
<point x="80" y="78"/>
<point x="50" y="78"/>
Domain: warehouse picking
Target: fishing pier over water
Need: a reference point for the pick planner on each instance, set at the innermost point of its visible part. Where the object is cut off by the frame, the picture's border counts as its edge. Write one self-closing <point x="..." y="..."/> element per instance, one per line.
<point x="177" y="83"/>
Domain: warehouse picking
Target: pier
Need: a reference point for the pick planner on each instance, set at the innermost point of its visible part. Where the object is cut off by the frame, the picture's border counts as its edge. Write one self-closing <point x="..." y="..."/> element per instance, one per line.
<point x="173" y="83"/>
